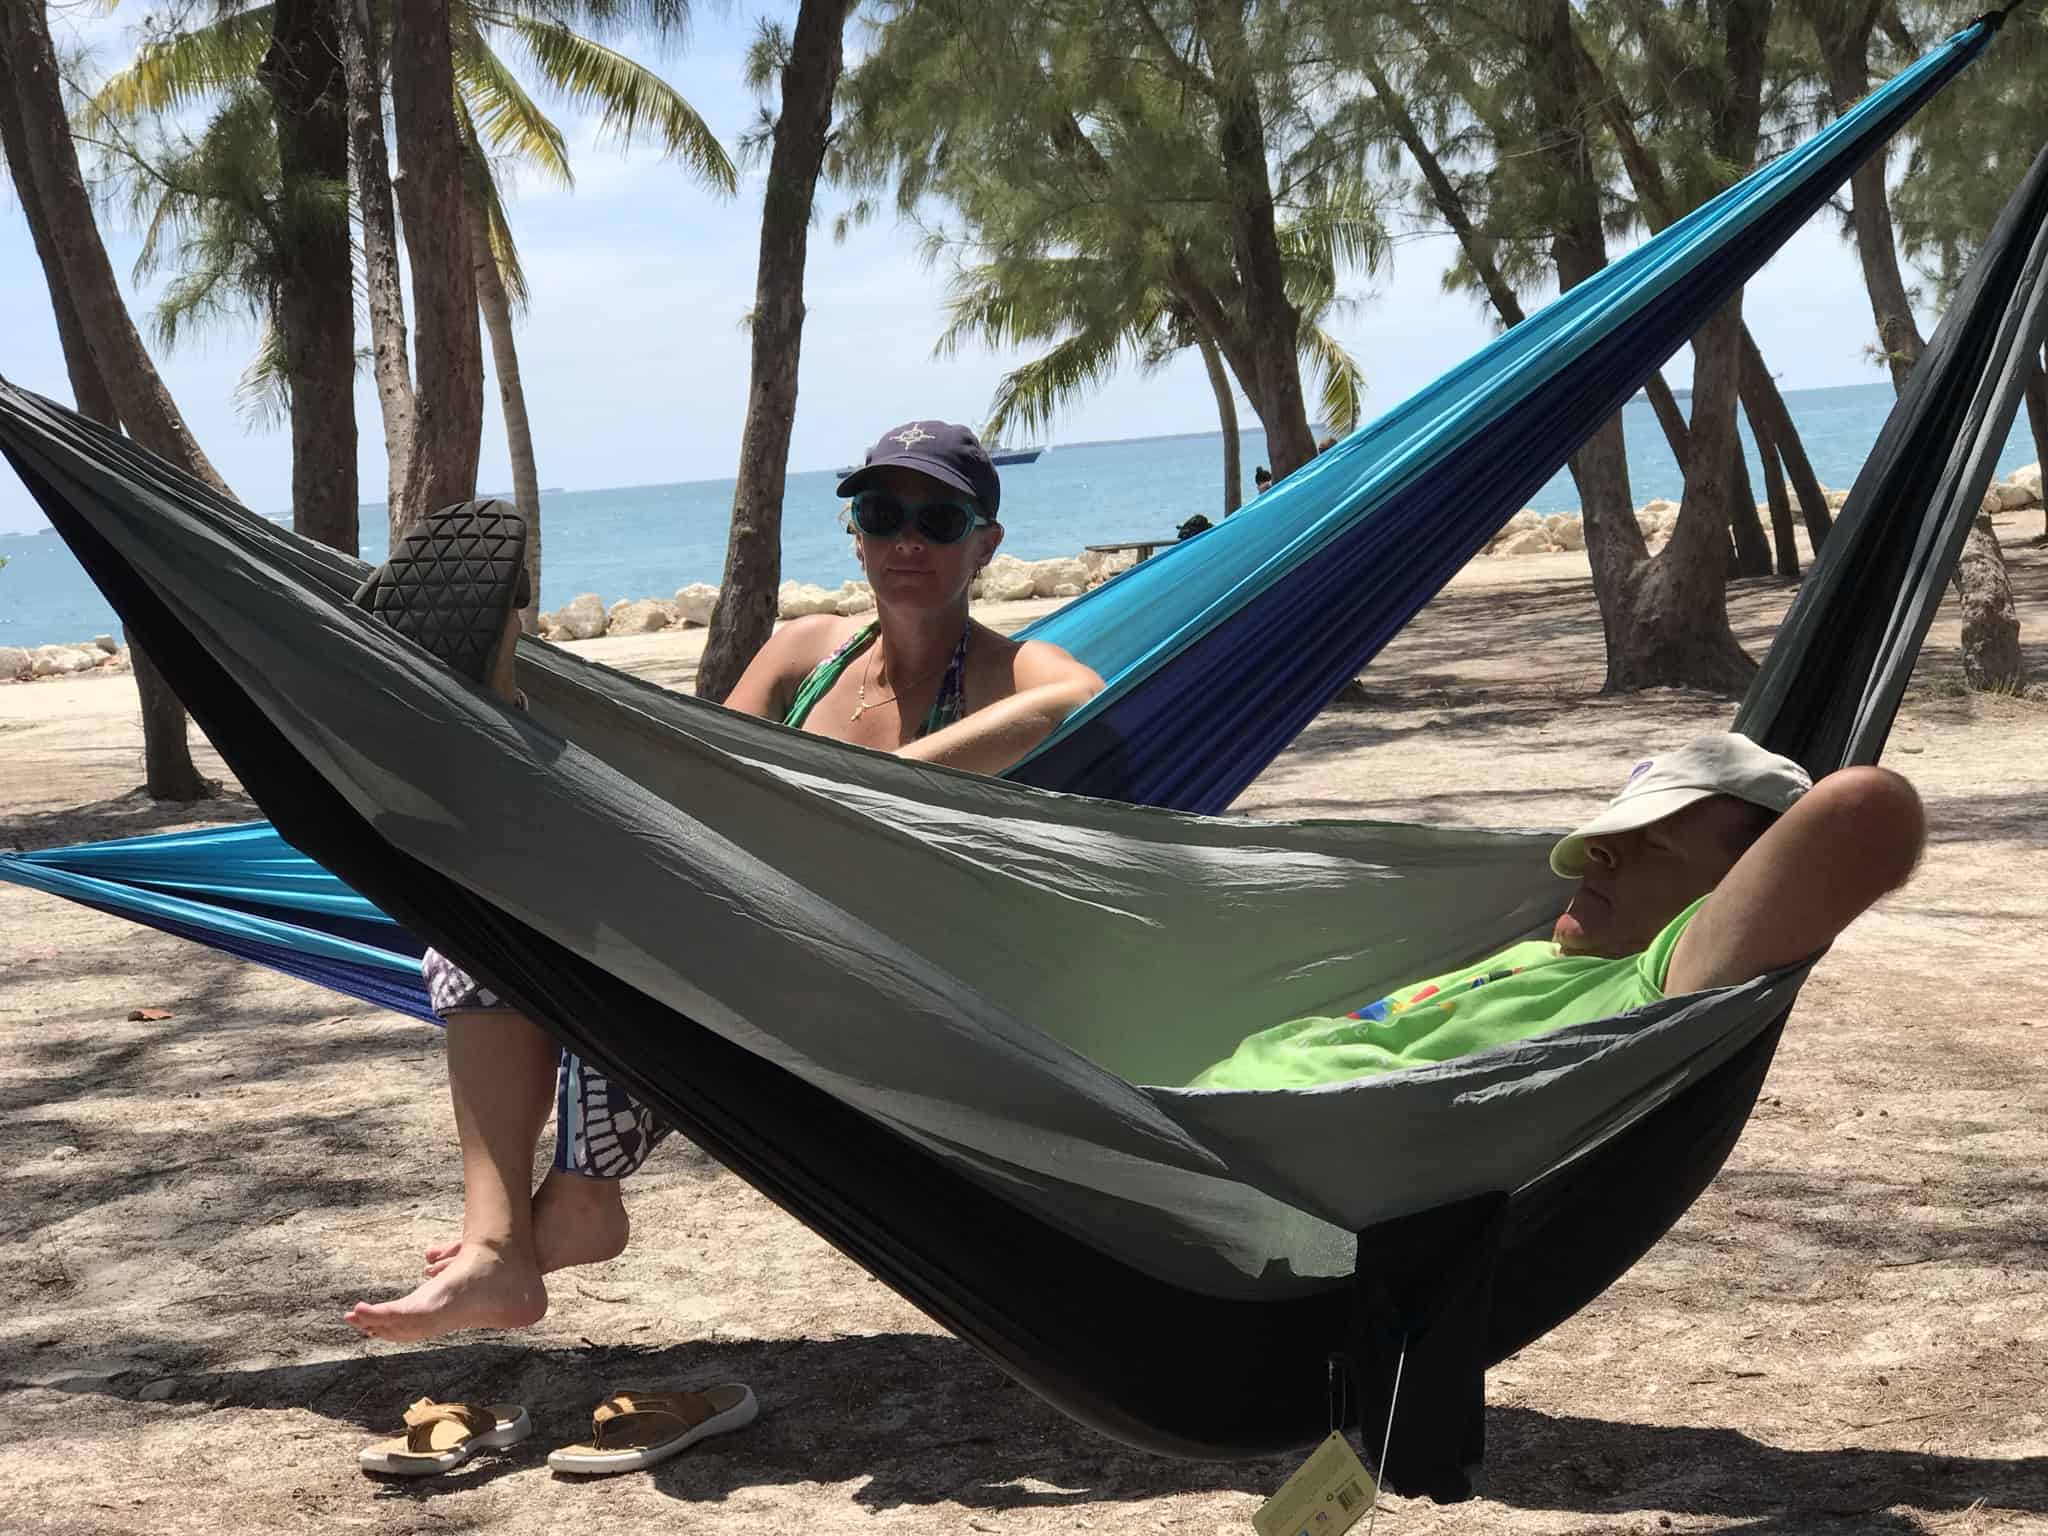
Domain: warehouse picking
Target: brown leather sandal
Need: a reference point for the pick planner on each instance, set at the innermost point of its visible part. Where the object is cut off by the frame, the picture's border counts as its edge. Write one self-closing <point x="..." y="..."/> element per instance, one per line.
<point x="631" y="1430"/>
<point x="439" y="1437"/>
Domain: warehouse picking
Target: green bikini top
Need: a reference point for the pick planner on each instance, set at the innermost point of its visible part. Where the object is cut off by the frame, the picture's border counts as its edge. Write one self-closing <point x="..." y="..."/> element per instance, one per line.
<point x="949" y="706"/>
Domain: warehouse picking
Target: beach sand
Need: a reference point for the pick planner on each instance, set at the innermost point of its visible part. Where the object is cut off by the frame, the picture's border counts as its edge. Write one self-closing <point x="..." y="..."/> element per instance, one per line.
<point x="1848" y="1333"/>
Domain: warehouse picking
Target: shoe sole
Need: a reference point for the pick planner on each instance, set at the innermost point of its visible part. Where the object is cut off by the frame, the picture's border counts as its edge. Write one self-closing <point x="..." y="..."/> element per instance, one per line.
<point x="450" y="583"/>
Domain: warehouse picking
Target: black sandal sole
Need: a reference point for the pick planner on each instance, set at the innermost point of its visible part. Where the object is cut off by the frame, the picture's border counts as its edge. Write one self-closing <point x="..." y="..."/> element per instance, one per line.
<point x="450" y="582"/>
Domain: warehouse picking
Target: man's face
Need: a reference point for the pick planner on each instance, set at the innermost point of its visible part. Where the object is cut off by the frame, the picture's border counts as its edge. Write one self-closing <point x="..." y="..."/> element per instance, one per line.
<point x="1637" y="881"/>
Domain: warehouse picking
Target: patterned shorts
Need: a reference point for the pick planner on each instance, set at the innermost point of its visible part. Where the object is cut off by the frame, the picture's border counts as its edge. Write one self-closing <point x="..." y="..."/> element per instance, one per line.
<point x="601" y="1131"/>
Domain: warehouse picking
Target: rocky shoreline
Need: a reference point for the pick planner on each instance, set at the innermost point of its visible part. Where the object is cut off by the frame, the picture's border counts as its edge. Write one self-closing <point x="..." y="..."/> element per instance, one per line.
<point x="27" y="663"/>
<point x="1006" y="579"/>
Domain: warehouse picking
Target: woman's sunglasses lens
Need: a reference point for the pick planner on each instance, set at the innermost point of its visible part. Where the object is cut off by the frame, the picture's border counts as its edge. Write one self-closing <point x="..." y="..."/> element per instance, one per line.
<point x="944" y="524"/>
<point x="878" y="516"/>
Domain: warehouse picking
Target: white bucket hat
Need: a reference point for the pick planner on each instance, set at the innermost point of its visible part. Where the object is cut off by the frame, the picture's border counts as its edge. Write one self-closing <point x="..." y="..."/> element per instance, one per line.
<point x="1726" y="764"/>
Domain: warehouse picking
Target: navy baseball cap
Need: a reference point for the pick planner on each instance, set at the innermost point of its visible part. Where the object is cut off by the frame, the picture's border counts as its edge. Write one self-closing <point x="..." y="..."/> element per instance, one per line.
<point x="950" y="454"/>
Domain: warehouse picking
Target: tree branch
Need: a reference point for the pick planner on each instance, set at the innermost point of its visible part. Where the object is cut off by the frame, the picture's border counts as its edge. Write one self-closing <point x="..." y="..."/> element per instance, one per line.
<point x="1176" y="66"/>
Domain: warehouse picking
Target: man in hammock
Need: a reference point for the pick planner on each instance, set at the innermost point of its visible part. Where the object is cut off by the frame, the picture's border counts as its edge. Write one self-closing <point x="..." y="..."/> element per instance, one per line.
<point x="920" y="678"/>
<point x="1717" y="863"/>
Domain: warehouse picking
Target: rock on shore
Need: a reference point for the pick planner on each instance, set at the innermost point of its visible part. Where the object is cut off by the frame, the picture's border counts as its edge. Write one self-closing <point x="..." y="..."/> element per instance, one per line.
<point x="1530" y="532"/>
<point x="1009" y="579"/>
<point x="19" y="663"/>
<point x="1005" y="579"/>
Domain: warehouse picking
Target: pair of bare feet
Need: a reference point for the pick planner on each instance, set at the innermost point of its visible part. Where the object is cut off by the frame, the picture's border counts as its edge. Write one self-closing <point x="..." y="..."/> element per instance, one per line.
<point x="491" y="1276"/>
<point x="495" y="1282"/>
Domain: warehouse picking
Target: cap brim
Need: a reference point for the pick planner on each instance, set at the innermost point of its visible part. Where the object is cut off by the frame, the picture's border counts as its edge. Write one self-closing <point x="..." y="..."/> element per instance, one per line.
<point x="864" y="477"/>
<point x="1568" y="856"/>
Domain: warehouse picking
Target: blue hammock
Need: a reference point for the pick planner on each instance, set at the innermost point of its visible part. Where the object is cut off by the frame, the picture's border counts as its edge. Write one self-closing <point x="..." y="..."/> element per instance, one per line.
<point x="1218" y="651"/>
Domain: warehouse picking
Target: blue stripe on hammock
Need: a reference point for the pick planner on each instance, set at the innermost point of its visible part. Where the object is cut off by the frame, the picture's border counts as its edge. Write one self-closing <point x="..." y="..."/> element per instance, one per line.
<point x="1216" y="652"/>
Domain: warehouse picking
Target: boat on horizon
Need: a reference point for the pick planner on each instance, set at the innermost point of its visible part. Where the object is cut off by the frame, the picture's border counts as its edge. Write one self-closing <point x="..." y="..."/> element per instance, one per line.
<point x="998" y="455"/>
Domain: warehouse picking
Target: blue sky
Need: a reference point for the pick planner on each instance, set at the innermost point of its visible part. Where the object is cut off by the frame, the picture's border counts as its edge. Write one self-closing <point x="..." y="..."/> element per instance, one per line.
<point x="636" y="366"/>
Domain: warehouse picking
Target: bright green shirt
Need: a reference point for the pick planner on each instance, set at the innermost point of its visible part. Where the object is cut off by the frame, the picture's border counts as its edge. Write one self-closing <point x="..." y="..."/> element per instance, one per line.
<point x="1526" y="990"/>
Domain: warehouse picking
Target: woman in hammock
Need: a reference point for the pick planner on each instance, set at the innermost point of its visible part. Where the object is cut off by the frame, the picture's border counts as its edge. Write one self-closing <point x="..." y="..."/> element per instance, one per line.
<point x="920" y="679"/>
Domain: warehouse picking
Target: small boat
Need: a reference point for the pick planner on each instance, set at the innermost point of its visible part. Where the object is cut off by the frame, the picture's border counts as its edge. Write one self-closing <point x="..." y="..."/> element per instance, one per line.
<point x="998" y="455"/>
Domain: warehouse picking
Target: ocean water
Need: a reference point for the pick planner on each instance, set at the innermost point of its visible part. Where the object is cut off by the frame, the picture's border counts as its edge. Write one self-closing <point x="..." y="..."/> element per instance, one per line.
<point x="645" y="541"/>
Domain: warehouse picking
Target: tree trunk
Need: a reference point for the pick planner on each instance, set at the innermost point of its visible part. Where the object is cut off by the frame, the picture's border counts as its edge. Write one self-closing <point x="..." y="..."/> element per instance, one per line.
<point x="1782" y="533"/>
<point x="2037" y="423"/>
<point x="1846" y="44"/>
<point x="1992" y="659"/>
<point x="1614" y="540"/>
<point x="1665" y="618"/>
<point x="1273" y="322"/>
<point x="383" y="285"/>
<point x="1677" y="435"/>
<point x="448" y="407"/>
<point x="1760" y="396"/>
<point x="1752" y="549"/>
<point x="497" y="311"/>
<point x="744" y="615"/>
<point x="316" y="300"/>
<point x="1226" y="413"/>
<point x="121" y="387"/>
<point x="1678" y="613"/>
<point x="145" y="406"/>
<point x="88" y="387"/>
<point x="1766" y="409"/>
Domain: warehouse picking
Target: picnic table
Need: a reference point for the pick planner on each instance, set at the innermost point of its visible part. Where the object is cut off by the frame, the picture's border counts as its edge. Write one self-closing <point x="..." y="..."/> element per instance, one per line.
<point x="1144" y="547"/>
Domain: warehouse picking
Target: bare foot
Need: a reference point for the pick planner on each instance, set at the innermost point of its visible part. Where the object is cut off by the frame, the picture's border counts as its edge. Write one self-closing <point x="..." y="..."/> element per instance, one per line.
<point x="478" y="1288"/>
<point x="575" y="1221"/>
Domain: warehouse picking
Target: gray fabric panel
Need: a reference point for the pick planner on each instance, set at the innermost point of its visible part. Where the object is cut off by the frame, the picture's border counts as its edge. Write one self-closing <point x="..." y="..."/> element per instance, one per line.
<point x="946" y="953"/>
<point x="1365" y="1151"/>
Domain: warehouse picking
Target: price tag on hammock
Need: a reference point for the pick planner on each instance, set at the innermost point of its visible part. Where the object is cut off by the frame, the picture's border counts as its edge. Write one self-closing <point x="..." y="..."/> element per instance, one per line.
<point x="1324" y="1498"/>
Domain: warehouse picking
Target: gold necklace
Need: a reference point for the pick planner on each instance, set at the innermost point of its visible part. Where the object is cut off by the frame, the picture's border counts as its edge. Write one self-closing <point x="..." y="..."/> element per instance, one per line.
<point x="863" y="706"/>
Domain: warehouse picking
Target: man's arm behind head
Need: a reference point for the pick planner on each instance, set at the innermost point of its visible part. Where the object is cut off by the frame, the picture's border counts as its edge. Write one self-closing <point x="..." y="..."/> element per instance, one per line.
<point x="1853" y="837"/>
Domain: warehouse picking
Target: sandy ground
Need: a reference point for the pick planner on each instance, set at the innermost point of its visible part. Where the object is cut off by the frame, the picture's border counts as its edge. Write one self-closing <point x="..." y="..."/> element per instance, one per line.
<point x="1848" y="1333"/>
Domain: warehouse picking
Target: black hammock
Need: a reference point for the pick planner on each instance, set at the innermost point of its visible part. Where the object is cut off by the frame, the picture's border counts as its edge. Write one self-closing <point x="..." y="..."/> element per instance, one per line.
<point x="899" y="1000"/>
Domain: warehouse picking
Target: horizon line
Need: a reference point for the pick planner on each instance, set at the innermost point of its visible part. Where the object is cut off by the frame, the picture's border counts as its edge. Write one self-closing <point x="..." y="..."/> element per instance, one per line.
<point x="1092" y="442"/>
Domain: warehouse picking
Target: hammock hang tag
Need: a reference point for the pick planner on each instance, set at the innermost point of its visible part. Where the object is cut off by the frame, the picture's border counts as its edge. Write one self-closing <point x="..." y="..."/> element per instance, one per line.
<point x="1325" y="1497"/>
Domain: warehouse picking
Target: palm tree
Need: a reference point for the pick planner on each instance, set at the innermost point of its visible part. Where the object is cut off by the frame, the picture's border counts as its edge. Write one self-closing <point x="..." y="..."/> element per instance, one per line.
<point x="498" y="122"/>
<point x="112" y="377"/>
<point x="803" y="67"/>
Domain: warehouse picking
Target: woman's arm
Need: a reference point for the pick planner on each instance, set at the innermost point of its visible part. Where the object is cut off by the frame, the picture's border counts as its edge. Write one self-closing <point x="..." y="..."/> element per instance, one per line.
<point x="1051" y="685"/>
<point x="778" y="669"/>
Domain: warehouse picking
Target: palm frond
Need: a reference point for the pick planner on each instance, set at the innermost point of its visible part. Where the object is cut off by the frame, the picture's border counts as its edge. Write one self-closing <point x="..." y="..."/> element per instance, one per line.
<point x="263" y="394"/>
<point x="175" y="69"/>
<point x="1030" y="396"/>
<point x="508" y="121"/>
<point x="631" y="99"/>
<point x="667" y="21"/>
<point x="483" y="180"/>
<point x="1339" y="380"/>
<point x="1338" y="228"/>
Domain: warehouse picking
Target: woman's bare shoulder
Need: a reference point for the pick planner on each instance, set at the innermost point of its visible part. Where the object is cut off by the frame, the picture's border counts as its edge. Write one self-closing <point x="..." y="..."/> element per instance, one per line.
<point x="1019" y="664"/>
<point x="792" y="653"/>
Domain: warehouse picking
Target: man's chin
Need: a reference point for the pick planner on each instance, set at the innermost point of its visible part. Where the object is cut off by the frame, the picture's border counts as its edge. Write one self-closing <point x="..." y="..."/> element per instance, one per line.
<point x="1570" y="935"/>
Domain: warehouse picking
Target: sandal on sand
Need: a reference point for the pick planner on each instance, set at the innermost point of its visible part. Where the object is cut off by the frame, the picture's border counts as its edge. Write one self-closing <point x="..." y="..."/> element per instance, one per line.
<point x="450" y="582"/>
<point x="439" y="1437"/>
<point x="631" y="1430"/>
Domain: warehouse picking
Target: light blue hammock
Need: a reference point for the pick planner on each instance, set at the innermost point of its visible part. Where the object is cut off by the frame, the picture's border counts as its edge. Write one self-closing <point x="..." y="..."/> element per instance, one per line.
<point x="1218" y="651"/>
